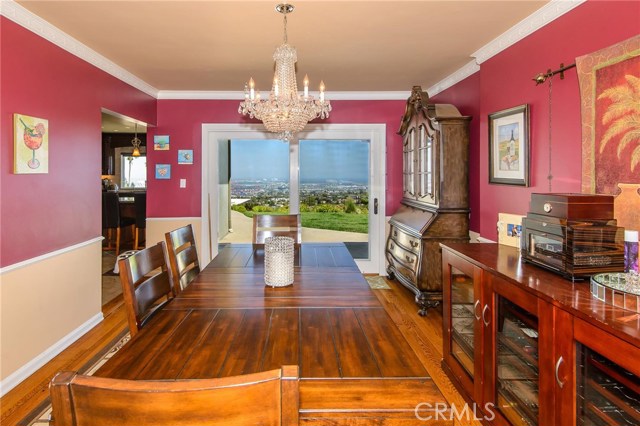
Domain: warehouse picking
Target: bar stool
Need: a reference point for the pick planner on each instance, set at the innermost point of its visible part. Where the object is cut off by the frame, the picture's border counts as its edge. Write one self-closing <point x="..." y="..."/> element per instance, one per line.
<point x="111" y="218"/>
<point x="140" y="207"/>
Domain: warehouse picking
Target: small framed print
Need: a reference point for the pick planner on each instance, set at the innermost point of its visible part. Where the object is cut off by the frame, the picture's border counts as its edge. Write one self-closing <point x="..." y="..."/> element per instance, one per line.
<point x="161" y="142"/>
<point x="163" y="171"/>
<point x="509" y="146"/>
<point x="185" y="156"/>
<point x="30" y="144"/>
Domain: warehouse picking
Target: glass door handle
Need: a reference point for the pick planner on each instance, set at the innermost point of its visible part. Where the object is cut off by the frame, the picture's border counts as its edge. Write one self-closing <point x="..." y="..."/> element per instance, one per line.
<point x="558" y="364"/>
<point x="475" y="309"/>
<point x="484" y="316"/>
<point x="375" y="206"/>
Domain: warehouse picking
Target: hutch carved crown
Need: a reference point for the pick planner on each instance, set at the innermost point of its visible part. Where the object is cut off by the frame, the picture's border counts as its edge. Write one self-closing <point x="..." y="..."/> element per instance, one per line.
<point x="435" y="203"/>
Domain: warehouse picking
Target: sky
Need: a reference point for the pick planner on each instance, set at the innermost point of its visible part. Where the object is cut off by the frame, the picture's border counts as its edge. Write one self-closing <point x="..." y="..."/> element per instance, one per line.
<point x="319" y="160"/>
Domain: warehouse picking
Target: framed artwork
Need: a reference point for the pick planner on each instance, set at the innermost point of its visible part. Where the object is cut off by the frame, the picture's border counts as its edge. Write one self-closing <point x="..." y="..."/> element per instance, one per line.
<point x="30" y="144"/>
<point x="161" y="142"/>
<point x="163" y="171"/>
<point x="185" y="156"/>
<point x="610" y="103"/>
<point x="509" y="146"/>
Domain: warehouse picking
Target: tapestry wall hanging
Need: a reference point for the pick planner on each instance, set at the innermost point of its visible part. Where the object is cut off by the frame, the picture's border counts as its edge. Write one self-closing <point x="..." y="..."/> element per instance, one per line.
<point x="610" y="96"/>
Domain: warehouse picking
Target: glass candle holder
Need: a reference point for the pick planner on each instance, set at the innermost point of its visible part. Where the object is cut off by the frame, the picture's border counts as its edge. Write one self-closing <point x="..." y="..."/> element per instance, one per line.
<point x="278" y="261"/>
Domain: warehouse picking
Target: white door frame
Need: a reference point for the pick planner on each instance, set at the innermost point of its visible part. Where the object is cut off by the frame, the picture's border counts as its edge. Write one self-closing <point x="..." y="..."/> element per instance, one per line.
<point x="375" y="133"/>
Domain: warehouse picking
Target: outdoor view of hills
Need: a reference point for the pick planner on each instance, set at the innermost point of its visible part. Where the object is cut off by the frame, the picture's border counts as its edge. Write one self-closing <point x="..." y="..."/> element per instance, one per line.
<point x="333" y="181"/>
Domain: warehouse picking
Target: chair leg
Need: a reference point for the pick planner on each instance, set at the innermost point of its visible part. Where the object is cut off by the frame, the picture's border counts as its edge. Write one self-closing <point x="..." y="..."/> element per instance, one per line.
<point x="135" y="240"/>
<point x="117" y="241"/>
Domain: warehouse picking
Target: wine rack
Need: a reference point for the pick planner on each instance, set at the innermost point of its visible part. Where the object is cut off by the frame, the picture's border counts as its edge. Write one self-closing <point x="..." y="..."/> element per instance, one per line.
<point x="607" y="393"/>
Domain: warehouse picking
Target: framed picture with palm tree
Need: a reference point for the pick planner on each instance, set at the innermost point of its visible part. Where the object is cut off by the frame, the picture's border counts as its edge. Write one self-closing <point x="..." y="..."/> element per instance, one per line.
<point x="610" y="100"/>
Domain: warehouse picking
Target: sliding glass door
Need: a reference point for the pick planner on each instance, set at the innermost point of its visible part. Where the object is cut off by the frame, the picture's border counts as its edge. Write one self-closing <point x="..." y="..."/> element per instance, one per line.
<point x="333" y="175"/>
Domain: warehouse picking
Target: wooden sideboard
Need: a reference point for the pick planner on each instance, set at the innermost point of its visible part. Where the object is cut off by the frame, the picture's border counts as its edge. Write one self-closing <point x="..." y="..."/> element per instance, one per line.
<point x="532" y="348"/>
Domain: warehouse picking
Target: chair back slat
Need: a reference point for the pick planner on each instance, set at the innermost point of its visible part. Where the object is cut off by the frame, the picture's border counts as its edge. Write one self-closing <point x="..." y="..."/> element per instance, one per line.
<point x="268" y="398"/>
<point x="149" y="293"/>
<point x="145" y="282"/>
<point x="183" y="256"/>
<point x="265" y="226"/>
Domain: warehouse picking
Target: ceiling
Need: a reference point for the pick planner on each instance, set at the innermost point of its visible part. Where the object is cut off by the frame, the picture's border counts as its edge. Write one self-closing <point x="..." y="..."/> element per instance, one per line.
<point x="351" y="45"/>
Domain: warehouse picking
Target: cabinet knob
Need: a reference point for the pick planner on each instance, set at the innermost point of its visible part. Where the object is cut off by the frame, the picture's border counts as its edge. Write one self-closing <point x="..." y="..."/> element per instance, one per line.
<point x="391" y="246"/>
<point x="409" y="259"/>
<point x="558" y="364"/>
<point x="484" y="315"/>
<point x="414" y="244"/>
<point x="547" y="207"/>
<point x="395" y="233"/>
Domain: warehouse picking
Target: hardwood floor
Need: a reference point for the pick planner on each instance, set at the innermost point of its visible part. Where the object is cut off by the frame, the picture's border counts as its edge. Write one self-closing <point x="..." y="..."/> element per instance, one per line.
<point x="424" y="334"/>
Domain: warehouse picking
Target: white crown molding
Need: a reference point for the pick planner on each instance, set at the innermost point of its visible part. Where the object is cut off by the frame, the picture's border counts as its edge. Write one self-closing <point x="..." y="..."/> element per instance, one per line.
<point x="36" y="363"/>
<point x="462" y="73"/>
<point x="549" y="12"/>
<point x="21" y="16"/>
<point x="239" y="95"/>
<point x="532" y="23"/>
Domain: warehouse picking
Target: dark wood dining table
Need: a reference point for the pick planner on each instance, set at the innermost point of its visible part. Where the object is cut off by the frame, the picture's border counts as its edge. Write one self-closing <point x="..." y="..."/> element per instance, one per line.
<point x="329" y="323"/>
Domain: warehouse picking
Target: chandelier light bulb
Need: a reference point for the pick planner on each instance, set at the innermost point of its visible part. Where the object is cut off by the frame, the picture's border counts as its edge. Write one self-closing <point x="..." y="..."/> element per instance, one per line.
<point x="306" y="86"/>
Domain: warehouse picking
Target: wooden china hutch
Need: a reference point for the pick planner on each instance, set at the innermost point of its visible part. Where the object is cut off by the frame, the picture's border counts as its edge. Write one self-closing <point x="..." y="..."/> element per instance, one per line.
<point x="435" y="198"/>
<point x="529" y="347"/>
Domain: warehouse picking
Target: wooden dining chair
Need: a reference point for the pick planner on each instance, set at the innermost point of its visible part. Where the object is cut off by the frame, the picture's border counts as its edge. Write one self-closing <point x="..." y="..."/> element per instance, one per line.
<point x="267" y="225"/>
<point x="146" y="285"/>
<point x="183" y="256"/>
<point x="268" y="398"/>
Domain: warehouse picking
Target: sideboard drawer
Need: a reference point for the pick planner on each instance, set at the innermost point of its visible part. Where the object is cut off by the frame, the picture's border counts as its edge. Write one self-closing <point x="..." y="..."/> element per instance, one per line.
<point x="402" y="256"/>
<point x="407" y="241"/>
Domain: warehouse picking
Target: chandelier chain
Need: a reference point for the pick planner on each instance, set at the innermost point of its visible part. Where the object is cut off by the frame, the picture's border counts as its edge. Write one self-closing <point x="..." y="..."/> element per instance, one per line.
<point x="285" y="30"/>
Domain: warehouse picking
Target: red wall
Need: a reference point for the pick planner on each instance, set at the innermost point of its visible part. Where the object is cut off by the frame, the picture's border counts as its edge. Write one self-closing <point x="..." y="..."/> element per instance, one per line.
<point x="45" y="212"/>
<point x="466" y="97"/>
<point x="506" y="81"/>
<point x="182" y="120"/>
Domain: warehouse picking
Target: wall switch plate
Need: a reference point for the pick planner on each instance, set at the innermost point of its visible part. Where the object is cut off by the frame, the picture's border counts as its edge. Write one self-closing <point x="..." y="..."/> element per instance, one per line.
<point x="183" y="183"/>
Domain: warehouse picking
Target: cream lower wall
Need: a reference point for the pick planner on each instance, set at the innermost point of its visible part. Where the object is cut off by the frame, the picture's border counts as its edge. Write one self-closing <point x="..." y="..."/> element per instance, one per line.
<point x="44" y="300"/>
<point x="157" y="227"/>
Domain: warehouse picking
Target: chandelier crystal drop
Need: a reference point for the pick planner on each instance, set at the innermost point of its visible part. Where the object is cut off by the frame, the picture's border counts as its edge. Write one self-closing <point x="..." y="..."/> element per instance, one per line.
<point x="285" y="112"/>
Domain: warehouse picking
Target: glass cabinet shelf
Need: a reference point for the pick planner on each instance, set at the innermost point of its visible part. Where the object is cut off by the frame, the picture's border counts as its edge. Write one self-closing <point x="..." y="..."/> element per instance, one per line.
<point x="607" y="393"/>
<point x="517" y="364"/>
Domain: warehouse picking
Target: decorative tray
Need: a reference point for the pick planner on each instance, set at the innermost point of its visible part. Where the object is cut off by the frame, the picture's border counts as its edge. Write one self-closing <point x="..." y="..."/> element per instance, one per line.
<point x="618" y="289"/>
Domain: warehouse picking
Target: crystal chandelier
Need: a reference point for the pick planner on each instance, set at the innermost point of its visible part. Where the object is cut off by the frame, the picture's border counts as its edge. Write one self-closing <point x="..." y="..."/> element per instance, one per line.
<point x="285" y="112"/>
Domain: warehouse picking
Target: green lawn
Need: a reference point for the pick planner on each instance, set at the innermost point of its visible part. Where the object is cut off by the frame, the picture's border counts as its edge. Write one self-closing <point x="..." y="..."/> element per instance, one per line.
<point x="349" y="222"/>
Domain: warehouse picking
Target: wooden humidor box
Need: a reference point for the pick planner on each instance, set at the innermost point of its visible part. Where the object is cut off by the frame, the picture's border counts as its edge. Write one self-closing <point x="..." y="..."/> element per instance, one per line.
<point x="572" y="206"/>
<point x="574" y="235"/>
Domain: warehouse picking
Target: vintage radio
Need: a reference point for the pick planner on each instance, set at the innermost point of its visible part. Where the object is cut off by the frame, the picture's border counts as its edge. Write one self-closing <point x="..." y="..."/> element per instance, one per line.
<point x="574" y="235"/>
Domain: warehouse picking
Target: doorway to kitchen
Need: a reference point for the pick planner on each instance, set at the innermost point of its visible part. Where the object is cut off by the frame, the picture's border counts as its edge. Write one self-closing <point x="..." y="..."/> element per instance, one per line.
<point x="124" y="181"/>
